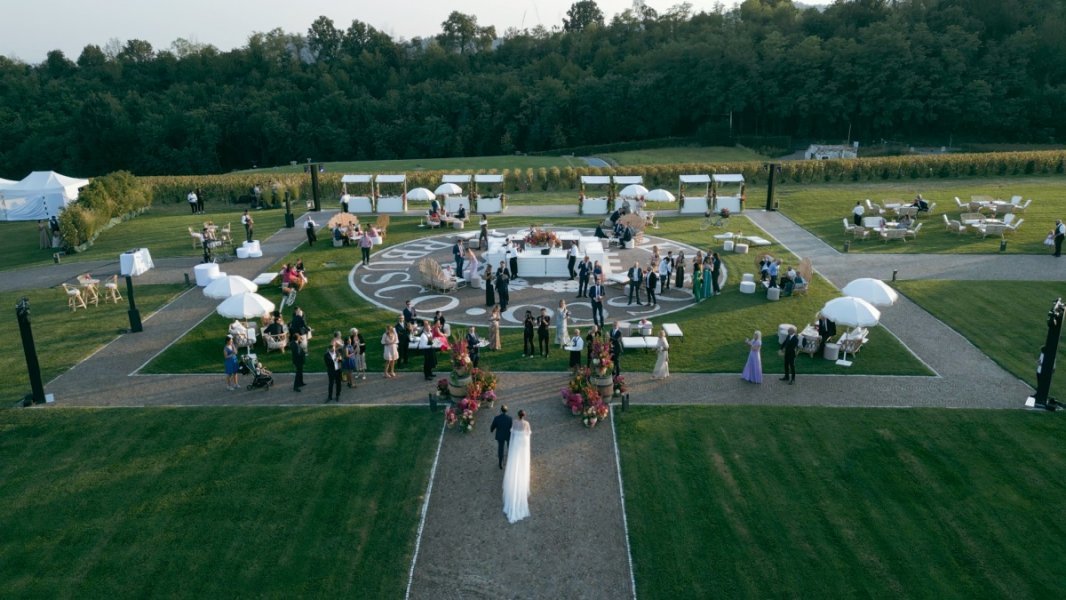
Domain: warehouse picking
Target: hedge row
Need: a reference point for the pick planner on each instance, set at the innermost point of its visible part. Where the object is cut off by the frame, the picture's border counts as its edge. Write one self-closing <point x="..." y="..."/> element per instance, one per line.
<point x="554" y="179"/>
<point x="104" y="202"/>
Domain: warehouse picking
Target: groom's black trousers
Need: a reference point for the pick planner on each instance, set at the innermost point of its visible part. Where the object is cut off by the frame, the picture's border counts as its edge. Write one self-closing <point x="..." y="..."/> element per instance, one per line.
<point x="499" y="449"/>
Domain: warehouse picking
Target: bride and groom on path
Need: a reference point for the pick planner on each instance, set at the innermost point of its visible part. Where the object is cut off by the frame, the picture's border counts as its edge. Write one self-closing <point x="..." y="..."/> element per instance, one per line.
<point x="516" y="474"/>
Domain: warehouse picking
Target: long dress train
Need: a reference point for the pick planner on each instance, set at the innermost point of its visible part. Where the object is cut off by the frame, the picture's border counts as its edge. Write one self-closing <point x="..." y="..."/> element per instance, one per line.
<point x="516" y="474"/>
<point x="753" y="369"/>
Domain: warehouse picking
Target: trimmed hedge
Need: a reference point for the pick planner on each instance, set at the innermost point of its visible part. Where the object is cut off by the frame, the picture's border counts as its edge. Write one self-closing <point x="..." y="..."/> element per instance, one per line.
<point x="106" y="201"/>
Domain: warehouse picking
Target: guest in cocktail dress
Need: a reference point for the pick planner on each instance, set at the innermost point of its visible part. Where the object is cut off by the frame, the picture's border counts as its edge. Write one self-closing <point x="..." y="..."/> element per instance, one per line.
<point x="697" y="281"/>
<point x="494" y="329"/>
<point x="490" y="289"/>
<point x="753" y="370"/>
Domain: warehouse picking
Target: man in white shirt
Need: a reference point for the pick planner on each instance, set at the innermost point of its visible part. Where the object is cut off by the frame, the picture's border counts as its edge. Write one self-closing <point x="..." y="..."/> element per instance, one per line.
<point x="1060" y="234"/>
<point x="193" y="201"/>
<point x="345" y="198"/>
<point x="429" y="353"/>
<point x="577" y="344"/>
<point x="858" y="212"/>
<point x="665" y="266"/>
<point x="571" y="260"/>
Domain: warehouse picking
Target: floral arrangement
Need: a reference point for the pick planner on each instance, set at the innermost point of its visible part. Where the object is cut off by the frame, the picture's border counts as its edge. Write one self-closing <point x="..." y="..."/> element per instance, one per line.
<point x="442" y="387"/>
<point x="601" y="357"/>
<point x="583" y="400"/>
<point x="460" y="355"/>
<point x="463" y="414"/>
<point x="724" y="213"/>
<point x="620" y="386"/>
<point x="482" y="386"/>
<point x="542" y="237"/>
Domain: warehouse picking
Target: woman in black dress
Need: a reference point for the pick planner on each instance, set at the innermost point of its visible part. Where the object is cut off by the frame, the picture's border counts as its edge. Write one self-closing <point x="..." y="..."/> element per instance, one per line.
<point x="490" y="291"/>
<point x="679" y="268"/>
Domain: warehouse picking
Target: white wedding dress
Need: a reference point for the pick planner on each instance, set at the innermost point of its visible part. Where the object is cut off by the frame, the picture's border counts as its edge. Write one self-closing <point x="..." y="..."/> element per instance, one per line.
<point x="516" y="475"/>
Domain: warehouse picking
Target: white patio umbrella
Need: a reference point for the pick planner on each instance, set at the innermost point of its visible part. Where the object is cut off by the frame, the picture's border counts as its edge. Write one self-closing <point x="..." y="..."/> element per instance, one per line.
<point x="874" y="291"/>
<point x="633" y="191"/>
<point x="244" y="306"/>
<point x="446" y="189"/>
<point x="852" y="312"/>
<point x="659" y="195"/>
<point x="231" y="285"/>
<point x="420" y="193"/>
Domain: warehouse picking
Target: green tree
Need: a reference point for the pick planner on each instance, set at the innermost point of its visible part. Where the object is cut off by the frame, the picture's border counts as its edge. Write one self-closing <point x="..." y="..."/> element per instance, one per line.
<point x="582" y="15"/>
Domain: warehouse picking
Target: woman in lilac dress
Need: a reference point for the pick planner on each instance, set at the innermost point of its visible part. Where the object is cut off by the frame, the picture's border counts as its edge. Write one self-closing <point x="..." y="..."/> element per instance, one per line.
<point x="753" y="370"/>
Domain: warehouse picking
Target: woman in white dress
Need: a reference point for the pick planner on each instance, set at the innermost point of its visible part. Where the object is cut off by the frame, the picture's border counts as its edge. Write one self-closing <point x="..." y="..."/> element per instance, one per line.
<point x="562" y="319"/>
<point x="516" y="475"/>
<point x="662" y="365"/>
<point x="470" y="269"/>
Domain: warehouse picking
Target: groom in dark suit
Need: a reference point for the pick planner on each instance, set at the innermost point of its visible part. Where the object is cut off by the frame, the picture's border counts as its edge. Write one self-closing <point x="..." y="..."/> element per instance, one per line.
<point x="501" y="425"/>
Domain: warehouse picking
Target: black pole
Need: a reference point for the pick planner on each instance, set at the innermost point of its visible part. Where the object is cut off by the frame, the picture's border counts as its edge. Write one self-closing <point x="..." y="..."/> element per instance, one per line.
<point x="772" y="167"/>
<point x="33" y="366"/>
<point x="314" y="186"/>
<point x="290" y="222"/>
<point x="1047" y="357"/>
<point x="135" y="315"/>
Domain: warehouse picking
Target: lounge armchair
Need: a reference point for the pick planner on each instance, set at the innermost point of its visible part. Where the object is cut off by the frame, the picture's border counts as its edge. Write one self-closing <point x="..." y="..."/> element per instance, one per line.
<point x="987" y="229"/>
<point x="912" y="232"/>
<point x="893" y="234"/>
<point x="277" y="341"/>
<point x="1020" y="208"/>
<point x="859" y="232"/>
<point x="1013" y="226"/>
<point x="197" y="239"/>
<point x="953" y="226"/>
<point x="848" y="226"/>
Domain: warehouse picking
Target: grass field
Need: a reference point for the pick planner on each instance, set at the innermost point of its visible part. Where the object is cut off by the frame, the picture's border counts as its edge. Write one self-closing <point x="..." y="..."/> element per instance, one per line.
<point x="819" y="209"/>
<point x="212" y="502"/>
<point x="714" y="331"/>
<point x="1015" y="344"/>
<point x="63" y="338"/>
<point x="681" y="154"/>
<point x="727" y="502"/>
<point x="164" y="230"/>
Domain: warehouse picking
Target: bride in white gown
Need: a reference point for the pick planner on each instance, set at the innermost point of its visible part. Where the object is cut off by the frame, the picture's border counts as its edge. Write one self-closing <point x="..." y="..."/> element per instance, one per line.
<point x="516" y="475"/>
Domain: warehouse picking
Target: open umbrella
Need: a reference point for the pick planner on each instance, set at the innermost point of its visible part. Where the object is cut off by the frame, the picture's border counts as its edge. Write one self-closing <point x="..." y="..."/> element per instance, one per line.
<point x="874" y="291"/>
<point x="420" y="193"/>
<point x="659" y="195"/>
<point x="342" y="220"/>
<point x="852" y="312"/>
<point x="245" y="306"/>
<point x="231" y="285"/>
<point x="447" y="189"/>
<point x="633" y="191"/>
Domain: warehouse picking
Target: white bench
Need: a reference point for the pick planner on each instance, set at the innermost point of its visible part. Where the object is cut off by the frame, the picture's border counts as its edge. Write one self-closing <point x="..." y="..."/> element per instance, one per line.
<point x="634" y="342"/>
<point x="673" y="330"/>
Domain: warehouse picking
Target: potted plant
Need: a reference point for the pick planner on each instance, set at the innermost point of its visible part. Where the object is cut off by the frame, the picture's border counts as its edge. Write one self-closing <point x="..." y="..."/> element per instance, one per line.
<point x="602" y="366"/>
<point x="459" y="378"/>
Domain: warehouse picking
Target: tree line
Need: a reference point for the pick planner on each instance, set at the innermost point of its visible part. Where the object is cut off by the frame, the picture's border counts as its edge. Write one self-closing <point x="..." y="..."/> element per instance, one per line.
<point x="929" y="70"/>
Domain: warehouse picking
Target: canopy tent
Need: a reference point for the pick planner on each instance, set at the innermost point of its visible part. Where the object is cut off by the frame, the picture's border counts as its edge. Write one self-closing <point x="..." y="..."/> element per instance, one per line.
<point x="41" y="195"/>
<point x="6" y="182"/>
<point x="355" y="179"/>
<point x="393" y="203"/>
<point x="694" y="204"/>
<point x="733" y="202"/>
<point x="490" y="203"/>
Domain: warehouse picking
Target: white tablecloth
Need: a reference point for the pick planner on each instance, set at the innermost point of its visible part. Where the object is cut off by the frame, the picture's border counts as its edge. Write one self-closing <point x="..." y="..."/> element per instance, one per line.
<point x="137" y="262"/>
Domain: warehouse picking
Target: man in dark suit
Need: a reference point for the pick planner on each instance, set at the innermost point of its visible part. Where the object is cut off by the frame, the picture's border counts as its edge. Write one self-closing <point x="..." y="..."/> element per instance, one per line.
<point x="299" y="357"/>
<point x="571" y="259"/>
<point x="503" y="282"/>
<point x="635" y="276"/>
<point x="333" y="372"/>
<point x="616" y="348"/>
<point x="472" y="347"/>
<point x="298" y="323"/>
<point x="1060" y="235"/>
<point x="512" y="260"/>
<point x="543" y="322"/>
<point x="584" y="273"/>
<point x="429" y="353"/>
<point x="501" y="426"/>
<point x="826" y="329"/>
<point x="409" y="314"/>
<point x="790" y="346"/>
<point x="457" y="252"/>
<point x="596" y="294"/>
<point x="716" y="271"/>
<point x="651" y="280"/>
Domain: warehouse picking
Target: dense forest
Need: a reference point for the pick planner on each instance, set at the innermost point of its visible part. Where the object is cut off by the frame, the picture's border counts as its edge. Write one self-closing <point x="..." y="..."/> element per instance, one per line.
<point x="928" y="70"/>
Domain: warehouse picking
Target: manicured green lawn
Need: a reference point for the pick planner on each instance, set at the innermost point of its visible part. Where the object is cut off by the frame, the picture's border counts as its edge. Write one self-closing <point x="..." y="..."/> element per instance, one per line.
<point x="714" y="331"/>
<point x="1014" y="344"/>
<point x="682" y="154"/>
<point x="63" y="338"/>
<point x="763" y="502"/>
<point x="211" y="502"/>
<point x="819" y="209"/>
<point x="164" y="230"/>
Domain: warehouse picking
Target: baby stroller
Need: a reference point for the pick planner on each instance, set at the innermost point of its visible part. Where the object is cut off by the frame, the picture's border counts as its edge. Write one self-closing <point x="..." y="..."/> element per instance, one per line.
<point x="262" y="377"/>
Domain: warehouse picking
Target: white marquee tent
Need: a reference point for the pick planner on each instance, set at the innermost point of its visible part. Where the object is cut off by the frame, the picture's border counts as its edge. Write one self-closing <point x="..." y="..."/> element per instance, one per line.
<point x="41" y="195"/>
